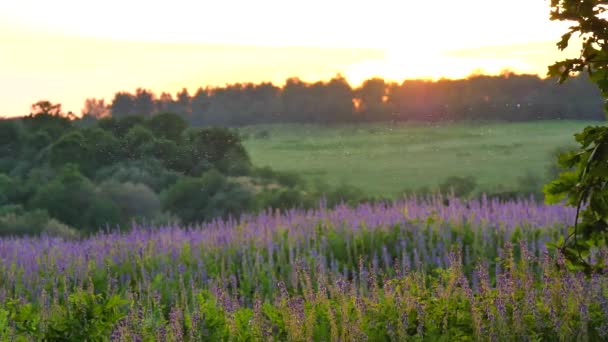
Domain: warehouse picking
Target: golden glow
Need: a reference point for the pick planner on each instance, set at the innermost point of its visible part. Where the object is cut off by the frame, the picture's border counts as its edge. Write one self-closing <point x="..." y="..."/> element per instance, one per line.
<point x="67" y="50"/>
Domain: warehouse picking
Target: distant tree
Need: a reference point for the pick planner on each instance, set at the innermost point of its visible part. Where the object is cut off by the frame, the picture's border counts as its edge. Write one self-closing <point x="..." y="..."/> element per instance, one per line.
<point x="9" y="190"/>
<point x="167" y="125"/>
<point x="73" y="199"/>
<point x="297" y="104"/>
<point x="144" y="102"/>
<point x="48" y="118"/>
<point x="338" y="106"/>
<point x="213" y="147"/>
<point x="168" y="152"/>
<point x="134" y="200"/>
<point x="200" y="106"/>
<point x="135" y="140"/>
<point x="373" y="99"/>
<point x="195" y="200"/>
<point x="46" y="108"/>
<point x="122" y="105"/>
<point x="148" y="171"/>
<point x="70" y="148"/>
<point x="120" y="126"/>
<point x="103" y="149"/>
<point x="95" y="108"/>
<point x="166" y="104"/>
<point x="11" y="135"/>
<point x="184" y="103"/>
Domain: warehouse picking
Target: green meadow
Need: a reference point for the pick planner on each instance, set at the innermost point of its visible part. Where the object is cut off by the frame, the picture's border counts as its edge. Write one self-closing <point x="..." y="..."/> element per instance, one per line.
<point x="386" y="159"/>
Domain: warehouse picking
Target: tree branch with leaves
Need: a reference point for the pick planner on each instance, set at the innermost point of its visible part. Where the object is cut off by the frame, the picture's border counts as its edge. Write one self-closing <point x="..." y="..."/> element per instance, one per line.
<point x="584" y="183"/>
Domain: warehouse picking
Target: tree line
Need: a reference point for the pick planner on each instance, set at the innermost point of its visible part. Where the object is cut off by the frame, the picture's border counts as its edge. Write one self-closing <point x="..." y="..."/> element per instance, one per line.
<point x="508" y="97"/>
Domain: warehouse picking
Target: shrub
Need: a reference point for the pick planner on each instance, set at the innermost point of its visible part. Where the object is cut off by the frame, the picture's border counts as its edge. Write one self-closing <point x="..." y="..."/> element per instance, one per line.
<point x="150" y="172"/>
<point x="217" y="147"/>
<point x="344" y="194"/>
<point x="17" y="222"/>
<point x="284" y="199"/>
<point x="55" y="228"/>
<point x="460" y="186"/>
<point x="134" y="200"/>
<point x="167" y="125"/>
<point x="212" y="195"/>
<point x="72" y="198"/>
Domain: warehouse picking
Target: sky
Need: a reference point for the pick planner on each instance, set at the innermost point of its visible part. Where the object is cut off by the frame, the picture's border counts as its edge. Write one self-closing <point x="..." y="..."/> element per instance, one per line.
<point x="66" y="51"/>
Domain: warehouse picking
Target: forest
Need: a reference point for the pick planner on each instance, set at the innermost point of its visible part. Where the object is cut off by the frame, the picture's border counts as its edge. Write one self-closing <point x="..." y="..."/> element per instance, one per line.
<point x="508" y="97"/>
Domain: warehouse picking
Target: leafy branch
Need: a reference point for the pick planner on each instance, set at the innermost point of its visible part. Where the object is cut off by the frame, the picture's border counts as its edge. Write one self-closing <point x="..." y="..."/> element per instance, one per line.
<point x="583" y="185"/>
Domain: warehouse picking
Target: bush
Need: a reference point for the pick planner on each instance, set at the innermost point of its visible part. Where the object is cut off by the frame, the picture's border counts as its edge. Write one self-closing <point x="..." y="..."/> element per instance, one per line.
<point x="343" y="193"/>
<point x="268" y="175"/>
<point x="167" y="126"/>
<point x="460" y="186"/>
<point x="72" y="198"/>
<point x="530" y="184"/>
<point x="220" y="148"/>
<point x="195" y="200"/>
<point x="150" y="172"/>
<point x="133" y="200"/>
<point x="284" y="199"/>
<point x="55" y="228"/>
<point x="14" y="221"/>
<point x="18" y="223"/>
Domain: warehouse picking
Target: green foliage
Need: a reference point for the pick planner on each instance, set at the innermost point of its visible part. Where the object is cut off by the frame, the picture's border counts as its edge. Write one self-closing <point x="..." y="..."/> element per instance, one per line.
<point x="585" y="186"/>
<point x="10" y="137"/>
<point x="285" y="199"/>
<point x="120" y="127"/>
<point x="111" y="173"/>
<point x="219" y="147"/>
<point x="166" y="151"/>
<point x="70" y="148"/>
<point x="85" y="317"/>
<point x="103" y="149"/>
<point x="51" y="123"/>
<point x="134" y="200"/>
<point x="135" y="140"/>
<point x="167" y="126"/>
<point x="214" y="325"/>
<point x="8" y="189"/>
<point x="150" y="172"/>
<point x="343" y="193"/>
<point x="199" y="199"/>
<point x="460" y="186"/>
<point x="73" y="199"/>
<point x="14" y="222"/>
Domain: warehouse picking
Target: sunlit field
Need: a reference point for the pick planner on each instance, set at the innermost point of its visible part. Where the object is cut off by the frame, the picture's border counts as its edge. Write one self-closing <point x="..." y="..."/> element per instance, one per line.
<point x="410" y="270"/>
<point x="385" y="159"/>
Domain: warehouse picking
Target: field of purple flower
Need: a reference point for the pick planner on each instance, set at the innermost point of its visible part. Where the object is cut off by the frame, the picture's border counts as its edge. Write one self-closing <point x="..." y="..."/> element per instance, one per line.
<point x="410" y="270"/>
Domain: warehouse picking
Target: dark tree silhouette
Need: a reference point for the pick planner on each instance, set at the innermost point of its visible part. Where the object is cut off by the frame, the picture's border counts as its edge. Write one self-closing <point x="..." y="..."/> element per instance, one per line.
<point x="506" y="97"/>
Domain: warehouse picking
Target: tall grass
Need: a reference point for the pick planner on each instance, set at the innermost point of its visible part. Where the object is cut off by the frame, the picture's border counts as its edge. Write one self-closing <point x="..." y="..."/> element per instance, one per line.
<point x="411" y="270"/>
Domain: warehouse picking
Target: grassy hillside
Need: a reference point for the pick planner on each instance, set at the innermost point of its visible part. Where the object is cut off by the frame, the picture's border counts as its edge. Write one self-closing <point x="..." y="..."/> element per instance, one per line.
<point x="384" y="159"/>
